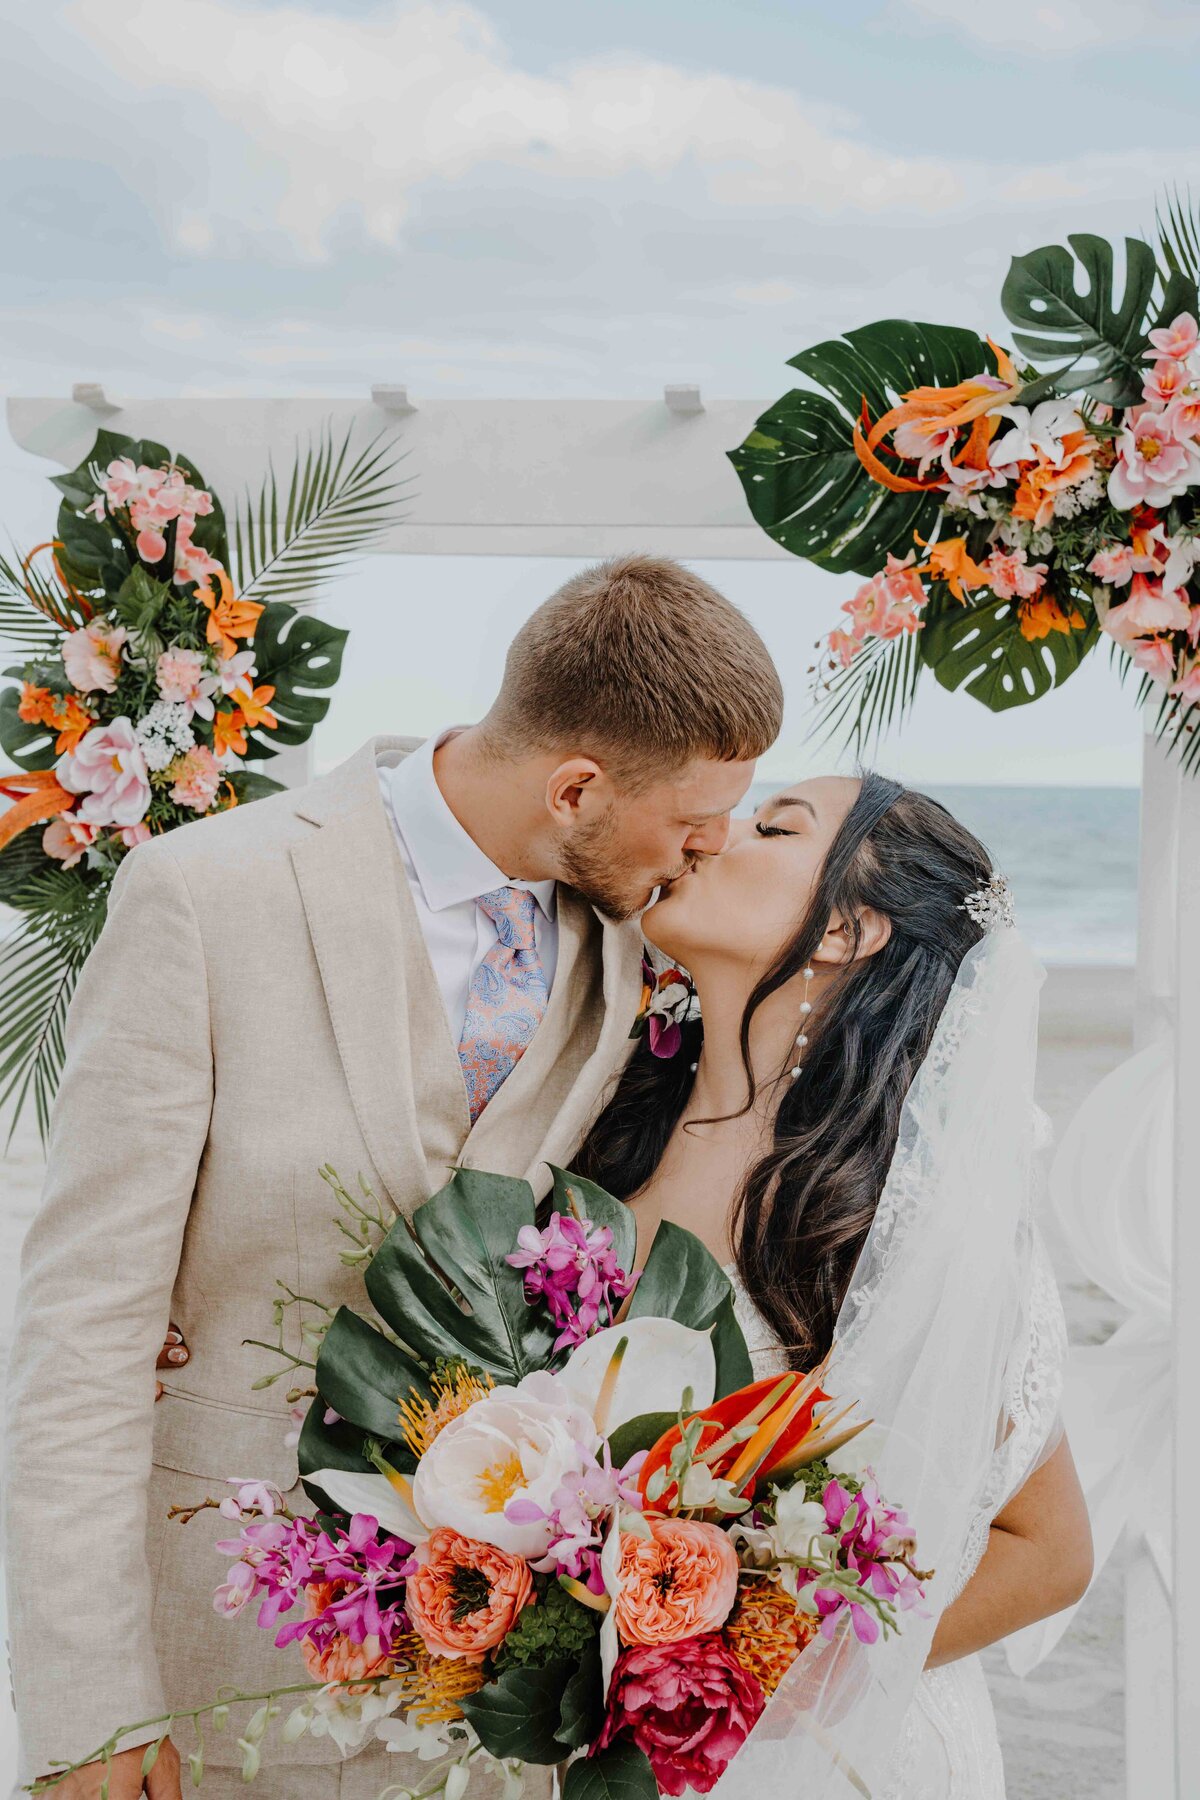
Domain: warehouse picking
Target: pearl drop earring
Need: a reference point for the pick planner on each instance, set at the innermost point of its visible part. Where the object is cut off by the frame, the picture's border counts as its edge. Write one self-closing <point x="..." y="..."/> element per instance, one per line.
<point x="805" y="1009"/>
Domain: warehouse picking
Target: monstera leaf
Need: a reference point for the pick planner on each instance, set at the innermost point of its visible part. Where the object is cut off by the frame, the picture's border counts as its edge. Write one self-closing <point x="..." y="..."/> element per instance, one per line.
<point x="1064" y="309"/>
<point x="28" y="744"/>
<point x="803" y="481"/>
<point x="299" y="657"/>
<point x="979" y="648"/>
<point x="442" y="1288"/>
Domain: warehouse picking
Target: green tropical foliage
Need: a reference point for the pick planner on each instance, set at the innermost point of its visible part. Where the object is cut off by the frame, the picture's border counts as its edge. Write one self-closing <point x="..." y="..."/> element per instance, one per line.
<point x="980" y="649"/>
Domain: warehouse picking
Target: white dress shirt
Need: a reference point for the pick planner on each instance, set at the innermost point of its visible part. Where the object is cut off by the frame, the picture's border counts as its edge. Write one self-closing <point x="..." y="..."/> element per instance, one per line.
<point x="447" y="872"/>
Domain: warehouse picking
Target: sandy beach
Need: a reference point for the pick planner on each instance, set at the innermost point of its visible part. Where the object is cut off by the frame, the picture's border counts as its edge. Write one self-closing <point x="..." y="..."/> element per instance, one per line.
<point x="1061" y="1728"/>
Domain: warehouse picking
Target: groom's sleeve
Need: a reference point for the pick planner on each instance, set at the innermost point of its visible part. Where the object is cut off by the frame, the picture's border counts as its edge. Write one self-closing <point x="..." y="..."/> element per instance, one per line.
<point x="99" y="1265"/>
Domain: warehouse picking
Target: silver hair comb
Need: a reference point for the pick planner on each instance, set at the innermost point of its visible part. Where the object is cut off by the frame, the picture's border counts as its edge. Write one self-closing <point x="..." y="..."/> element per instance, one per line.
<point x="992" y="905"/>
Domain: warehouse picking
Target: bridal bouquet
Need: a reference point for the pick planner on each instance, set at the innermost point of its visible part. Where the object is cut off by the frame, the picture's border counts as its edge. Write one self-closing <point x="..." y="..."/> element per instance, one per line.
<point x="546" y="1534"/>
<point x="1007" y="515"/>
<point x="157" y="661"/>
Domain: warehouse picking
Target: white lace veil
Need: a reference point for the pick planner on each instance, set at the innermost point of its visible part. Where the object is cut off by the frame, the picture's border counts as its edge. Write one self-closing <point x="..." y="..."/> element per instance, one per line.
<point x="939" y="1339"/>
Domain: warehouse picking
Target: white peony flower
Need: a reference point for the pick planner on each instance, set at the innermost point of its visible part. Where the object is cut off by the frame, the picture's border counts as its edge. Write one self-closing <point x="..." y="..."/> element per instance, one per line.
<point x="511" y="1451"/>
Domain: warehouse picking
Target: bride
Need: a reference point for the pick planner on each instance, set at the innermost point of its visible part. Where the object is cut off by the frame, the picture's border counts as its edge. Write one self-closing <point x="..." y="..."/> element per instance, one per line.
<point x="855" y="1101"/>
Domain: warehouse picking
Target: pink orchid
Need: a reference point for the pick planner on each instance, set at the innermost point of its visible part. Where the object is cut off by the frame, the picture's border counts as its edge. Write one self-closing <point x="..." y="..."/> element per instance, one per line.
<point x="232" y="1595"/>
<point x="1165" y="380"/>
<point x="1177" y="340"/>
<point x="192" y="561"/>
<point x="1155" y="657"/>
<point x="1011" y="576"/>
<point x="1183" y="417"/>
<point x="150" y="544"/>
<point x="109" y="770"/>
<point x="66" y="839"/>
<point x="890" y="602"/>
<point x="133" y="835"/>
<point x="236" y="672"/>
<point x="260" y="1497"/>
<point x="844" y="646"/>
<point x="572" y="1268"/>
<point x="1113" y="564"/>
<point x="1149" y="608"/>
<point x="1153" y="467"/>
<point x="92" y="656"/>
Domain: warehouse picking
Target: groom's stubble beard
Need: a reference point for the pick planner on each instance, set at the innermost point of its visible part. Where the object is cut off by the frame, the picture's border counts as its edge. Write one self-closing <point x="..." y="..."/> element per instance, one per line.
<point x="596" y="866"/>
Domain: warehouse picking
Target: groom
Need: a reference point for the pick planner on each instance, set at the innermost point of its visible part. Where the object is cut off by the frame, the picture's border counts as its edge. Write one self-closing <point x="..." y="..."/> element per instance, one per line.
<point x="426" y="958"/>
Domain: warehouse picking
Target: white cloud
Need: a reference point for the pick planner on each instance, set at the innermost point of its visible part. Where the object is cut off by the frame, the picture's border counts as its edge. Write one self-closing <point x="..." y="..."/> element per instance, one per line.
<point x="1064" y="26"/>
<point x="319" y="115"/>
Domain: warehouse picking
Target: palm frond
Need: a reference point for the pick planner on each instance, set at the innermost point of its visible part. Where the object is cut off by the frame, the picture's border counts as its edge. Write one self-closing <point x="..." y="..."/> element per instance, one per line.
<point x="37" y="979"/>
<point x="62" y="916"/>
<point x="860" y="703"/>
<point x="30" y="612"/>
<point x="285" y="546"/>
<point x="1178" y="225"/>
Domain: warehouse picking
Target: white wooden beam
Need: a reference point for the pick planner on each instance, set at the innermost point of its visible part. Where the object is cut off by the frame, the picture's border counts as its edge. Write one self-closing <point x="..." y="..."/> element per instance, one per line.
<point x="1186" y="1291"/>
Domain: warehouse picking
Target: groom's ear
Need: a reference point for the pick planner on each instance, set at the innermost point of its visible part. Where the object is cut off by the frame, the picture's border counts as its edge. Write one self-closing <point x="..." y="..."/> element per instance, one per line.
<point x="837" y="947"/>
<point x="571" y="786"/>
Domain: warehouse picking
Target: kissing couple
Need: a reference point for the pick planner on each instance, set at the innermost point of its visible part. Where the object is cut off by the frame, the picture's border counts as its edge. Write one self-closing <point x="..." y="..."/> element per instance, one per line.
<point x="432" y="958"/>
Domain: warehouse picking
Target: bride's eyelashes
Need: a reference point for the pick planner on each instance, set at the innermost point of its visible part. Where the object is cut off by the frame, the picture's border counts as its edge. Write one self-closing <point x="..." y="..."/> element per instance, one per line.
<point x="772" y="830"/>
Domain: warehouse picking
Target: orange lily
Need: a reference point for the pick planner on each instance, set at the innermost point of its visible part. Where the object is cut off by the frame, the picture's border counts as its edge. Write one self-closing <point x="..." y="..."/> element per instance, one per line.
<point x="253" y="703"/>
<point x="1042" y="615"/>
<point x="65" y="714"/>
<point x="1034" y="498"/>
<point x="228" y="733"/>
<point x="228" y="617"/>
<point x="948" y="561"/>
<point x="38" y="795"/>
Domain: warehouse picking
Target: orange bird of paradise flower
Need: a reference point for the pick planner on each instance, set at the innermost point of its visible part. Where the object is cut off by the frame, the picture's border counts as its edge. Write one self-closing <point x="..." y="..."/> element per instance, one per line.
<point x="228" y="617"/>
<point x="930" y="409"/>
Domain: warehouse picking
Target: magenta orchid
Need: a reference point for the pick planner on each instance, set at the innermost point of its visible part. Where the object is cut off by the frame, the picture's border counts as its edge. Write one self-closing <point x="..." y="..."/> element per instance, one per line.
<point x="571" y="1267"/>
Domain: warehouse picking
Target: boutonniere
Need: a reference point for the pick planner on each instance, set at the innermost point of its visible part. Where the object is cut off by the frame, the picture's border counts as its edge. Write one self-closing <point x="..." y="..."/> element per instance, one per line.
<point x="669" y="1002"/>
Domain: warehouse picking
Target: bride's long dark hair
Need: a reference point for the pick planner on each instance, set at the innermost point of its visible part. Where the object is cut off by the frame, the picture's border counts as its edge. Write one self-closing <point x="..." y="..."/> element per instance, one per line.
<point x="805" y="1208"/>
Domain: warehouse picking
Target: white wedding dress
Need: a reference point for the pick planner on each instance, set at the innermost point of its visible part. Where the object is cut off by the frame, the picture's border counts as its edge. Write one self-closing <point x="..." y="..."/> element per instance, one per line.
<point x="948" y="1747"/>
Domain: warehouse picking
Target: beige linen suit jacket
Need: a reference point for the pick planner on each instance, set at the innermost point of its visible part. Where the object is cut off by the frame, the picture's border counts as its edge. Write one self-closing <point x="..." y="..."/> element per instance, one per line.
<point x="260" y="1003"/>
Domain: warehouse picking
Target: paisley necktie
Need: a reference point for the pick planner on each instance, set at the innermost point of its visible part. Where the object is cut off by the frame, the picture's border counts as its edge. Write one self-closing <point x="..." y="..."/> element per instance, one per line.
<point x="507" y="997"/>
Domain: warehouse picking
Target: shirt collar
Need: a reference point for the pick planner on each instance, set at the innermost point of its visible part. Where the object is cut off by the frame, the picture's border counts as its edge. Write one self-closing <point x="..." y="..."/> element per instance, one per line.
<point x="446" y="860"/>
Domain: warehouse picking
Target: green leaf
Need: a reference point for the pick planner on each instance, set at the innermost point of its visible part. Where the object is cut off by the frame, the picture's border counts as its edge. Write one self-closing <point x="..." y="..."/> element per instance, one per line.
<point x="637" y="1434"/>
<point x="287" y="543"/>
<point x="364" y="1376"/>
<point x="572" y="1193"/>
<point x="518" y="1714"/>
<point x="37" y="979"/>
<point x="582" y="1712"/>
<point x="30" y="746"/>
<point x="34" y="630"/>
<point x="622" y="1772"/>
<point x="980" y="648"/>
<point x="683" y="1281"/>
<point x="336" y="1446"/>
<point x="1179" y="234"/>
<point x="456" y="1246"/>
<point x="300" y="657"/>
<point x="1064" y="309"/>
<point x="140" y="600"/>
<point x="248" y="785"/>
<point x="803" y="481"/>
<point x="863" y="701"/>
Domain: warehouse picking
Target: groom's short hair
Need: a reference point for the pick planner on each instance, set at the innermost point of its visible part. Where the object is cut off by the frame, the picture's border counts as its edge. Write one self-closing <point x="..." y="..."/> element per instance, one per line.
<point x="640" y="661"/>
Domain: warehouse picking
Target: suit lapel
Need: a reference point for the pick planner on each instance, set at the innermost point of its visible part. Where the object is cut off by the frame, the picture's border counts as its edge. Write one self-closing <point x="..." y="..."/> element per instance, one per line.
<point x="349" y="874"/>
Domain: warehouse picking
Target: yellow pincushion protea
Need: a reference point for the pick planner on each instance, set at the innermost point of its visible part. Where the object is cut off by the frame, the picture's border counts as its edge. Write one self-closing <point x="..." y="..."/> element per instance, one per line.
<point x="455" y="1391"/>
<point x="433" y="1685"/>
<point x="767" y="1631"/>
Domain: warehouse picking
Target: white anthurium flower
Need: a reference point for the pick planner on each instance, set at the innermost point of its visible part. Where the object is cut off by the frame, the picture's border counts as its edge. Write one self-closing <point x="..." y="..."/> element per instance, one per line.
<point x="493" y="1472"/>
<point x="610" y="1574"/>
<point x="354" y="1492"/>
<point x="662" y="1359"/>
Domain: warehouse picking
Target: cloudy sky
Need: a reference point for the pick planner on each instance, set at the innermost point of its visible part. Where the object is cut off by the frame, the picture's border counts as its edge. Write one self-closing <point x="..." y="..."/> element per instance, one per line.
<point x="228" y="197"/>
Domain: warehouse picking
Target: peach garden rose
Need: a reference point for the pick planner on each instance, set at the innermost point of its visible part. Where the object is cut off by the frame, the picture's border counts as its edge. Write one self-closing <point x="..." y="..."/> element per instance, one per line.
<point x="464" y="1596"/>
<point x="680" y="1581"/>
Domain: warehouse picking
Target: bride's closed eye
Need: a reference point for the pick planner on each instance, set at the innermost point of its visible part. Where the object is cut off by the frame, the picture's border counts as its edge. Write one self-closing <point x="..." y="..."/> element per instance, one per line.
<point x="771" y="830"/>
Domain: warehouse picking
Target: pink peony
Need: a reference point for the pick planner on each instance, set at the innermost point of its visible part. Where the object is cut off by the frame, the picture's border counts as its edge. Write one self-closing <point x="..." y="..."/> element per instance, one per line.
<point x="1153" y="465"/>
<point x="1183" y="417"/>
<point x="688" y="1707"/>
<point x="66" y="839"/>
<point x="1011" y="576"/>
<point x="197" y="778"/>
<point x="108" y="768"/>
<point x="92" y="657"/>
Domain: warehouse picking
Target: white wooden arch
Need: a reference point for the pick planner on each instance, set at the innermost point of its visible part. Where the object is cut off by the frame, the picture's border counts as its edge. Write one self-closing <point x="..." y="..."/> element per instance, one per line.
<point x="590" y="478"/>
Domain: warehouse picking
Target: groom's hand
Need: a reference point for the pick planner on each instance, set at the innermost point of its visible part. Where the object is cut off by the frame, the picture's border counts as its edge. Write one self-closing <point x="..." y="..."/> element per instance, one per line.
<point x="173" y="1354"/>
<point x="125" y="1779"/>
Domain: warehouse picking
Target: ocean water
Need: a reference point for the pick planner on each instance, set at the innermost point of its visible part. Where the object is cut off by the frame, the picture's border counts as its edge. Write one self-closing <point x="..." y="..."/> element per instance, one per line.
<point x="1071" y="855"/>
